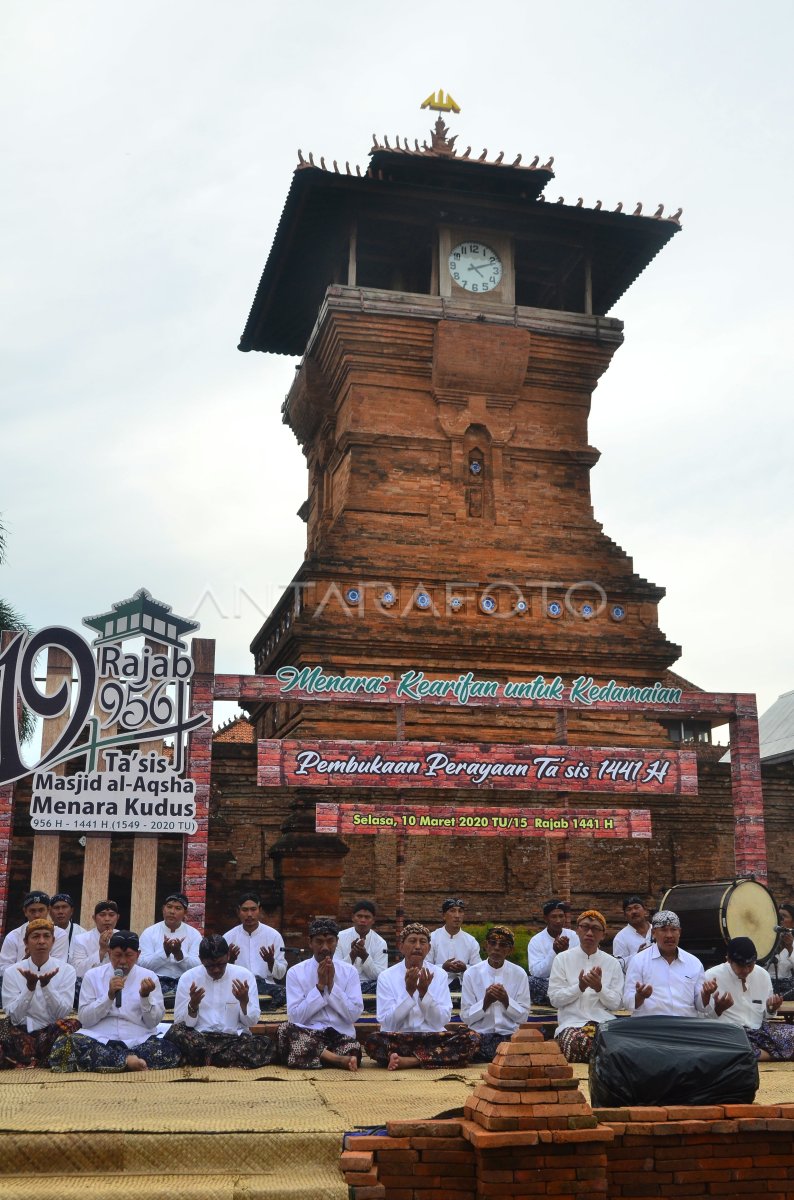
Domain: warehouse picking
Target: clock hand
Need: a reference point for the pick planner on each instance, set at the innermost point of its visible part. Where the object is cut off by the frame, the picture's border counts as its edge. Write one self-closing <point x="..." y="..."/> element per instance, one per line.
<point x="474" y="267"/>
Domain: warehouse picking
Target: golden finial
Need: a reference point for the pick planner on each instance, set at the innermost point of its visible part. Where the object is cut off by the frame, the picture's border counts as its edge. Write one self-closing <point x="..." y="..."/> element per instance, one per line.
<point x="441" y="102"/>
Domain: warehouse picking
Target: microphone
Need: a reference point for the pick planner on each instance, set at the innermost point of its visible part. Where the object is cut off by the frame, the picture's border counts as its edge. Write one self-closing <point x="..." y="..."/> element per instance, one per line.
<point x="118" y="974"/>
<point x="783" y="929"/>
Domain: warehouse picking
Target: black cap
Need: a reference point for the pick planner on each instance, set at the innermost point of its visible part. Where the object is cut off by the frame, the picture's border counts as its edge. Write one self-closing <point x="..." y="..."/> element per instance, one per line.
<point x="105" y="906"/>
<point x="62" y="897"/>
<point x="550" y="905"/>
<point x="451" y="902"/>
<point x="180" y="898"/>
<point x="742" y="951"/>
<point x="124" y="938"/>
<point x="35" y="898"/>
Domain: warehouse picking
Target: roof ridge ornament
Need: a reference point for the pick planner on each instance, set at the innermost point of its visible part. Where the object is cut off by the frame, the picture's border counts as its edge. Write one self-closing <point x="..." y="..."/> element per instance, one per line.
<point x="440" y="103"/>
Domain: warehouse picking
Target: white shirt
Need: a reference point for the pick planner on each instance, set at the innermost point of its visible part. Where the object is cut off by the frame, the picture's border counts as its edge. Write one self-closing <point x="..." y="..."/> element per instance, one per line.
<point x="676" y="985"/>
<point x="398" y="1012"/>
<point x="73" y="931"/>
<point x="628" y="942"/>
<point x="335" y="1009"/>
<point x="749" y="1007"/>
<point x="457" y="945"/>
<point x="785" y="964"/>
<point x="44" y="1005"/>
<point x="14" y="947"/>
<point x="375" y="947"/>
<point x="154" y="957"/>
<point x="575" y="1007"/>
<point x="85" y="952"/>
<point x="138" y="1015"/>
<point x="250" y="944"/>
<point x="219" y="1011"/>
<point x="541" y="954"/>
<point x="496" y="1018"/>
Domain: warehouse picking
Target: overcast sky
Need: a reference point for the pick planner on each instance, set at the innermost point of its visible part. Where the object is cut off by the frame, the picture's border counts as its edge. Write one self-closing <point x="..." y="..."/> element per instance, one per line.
<point x="148" y="149"/>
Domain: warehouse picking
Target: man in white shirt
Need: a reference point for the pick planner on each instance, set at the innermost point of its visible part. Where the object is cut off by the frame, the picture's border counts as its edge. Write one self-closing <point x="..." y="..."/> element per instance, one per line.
<point x="120" y="1008"/>
<point x="666" y="981"/>
<point x="38" y="997"/>
<point x="414" y="1006"/>
<point x="170" y="947"/>
<point x="362" y="947"/>
<point x="62" y="917"/>
<point x="323" y="1003"/>
<point x="92" y="949"/>
<point x="745" y="996"/>
<point x="585" y="986"/>
<point x="216" y="1008"/>
<point x="544" y="947"/>
<point x="782" y="963"/>
<point x="450" y="946"/>
<point x="259" y="949"/>
<point x="35" y="905"/>
<point x="495" y="998"/>
<point x="636" y="934"/>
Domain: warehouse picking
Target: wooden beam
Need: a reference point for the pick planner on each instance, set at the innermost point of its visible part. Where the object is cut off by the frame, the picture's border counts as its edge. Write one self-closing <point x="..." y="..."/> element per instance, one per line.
<point x="45" y="867"/>
<point x="96" y="876"/>
<point x="144" y="882"/>
<point x="351" y="256"/>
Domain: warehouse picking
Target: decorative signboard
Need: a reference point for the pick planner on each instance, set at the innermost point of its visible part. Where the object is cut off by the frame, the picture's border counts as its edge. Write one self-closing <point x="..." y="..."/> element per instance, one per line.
<point x="346" y="819"/>
<point x="432" y="765"/>
<point x="121" y="701"/>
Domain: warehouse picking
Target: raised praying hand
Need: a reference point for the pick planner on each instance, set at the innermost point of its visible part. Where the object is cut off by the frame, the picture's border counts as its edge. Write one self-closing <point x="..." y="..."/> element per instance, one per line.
<point x="173" y="946"/>
<point x="32" y="978"/>
<point x="708" y="990"/>
<point x="147" y="986"/>
<point x="561" y="943"/>
<point x="240" y="993"/>
<point x="196" y="996"/>
<point x="590" y="979"/>
<point x="234" y="952"/>
<point x="454" y="964"/>
<point x="423" y="982"/>
<point x="722" y="1002"/>
<point x="358" y="950"/>
<point x="326" y="974"/>
<point x="641" y="994"/>
<point x="495" y="994"/>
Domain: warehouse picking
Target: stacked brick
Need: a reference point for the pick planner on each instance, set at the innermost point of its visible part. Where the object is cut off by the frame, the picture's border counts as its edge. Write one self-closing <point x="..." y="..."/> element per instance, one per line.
<point x="730" y="1150"/>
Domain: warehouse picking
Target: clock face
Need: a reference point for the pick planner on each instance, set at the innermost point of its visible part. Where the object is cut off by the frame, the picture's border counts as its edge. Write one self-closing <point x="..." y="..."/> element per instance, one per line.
<point x="475" y="267"/>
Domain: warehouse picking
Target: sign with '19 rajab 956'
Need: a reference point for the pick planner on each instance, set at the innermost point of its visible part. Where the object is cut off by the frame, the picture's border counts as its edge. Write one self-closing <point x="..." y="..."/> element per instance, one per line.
<point x="431" y="765"/>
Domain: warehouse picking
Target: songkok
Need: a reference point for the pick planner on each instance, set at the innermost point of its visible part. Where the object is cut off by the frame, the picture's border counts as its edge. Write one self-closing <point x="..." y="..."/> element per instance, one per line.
<point x="322" y="926"/>
<point x="124" y="938"/>
<point x="105" y="906"/>
<point x="550" y="905"/>
<point x="62" y="898"/>
<point x="179" y="898"/>
<point x="665" y="917"/>
<point x="742" y="951"/>
<point x="501" y="931"/>
<point x="363" y="906"/>
<point x="35" y="898"/>
<point x="414" y="927"/>
<point x="39" y="923"/>
<point x="592" y="914"/>
<point x="451" y="902"/>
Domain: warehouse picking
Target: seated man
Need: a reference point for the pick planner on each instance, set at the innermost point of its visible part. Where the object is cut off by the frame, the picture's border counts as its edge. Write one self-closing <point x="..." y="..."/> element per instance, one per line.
<point x="414" y="1006"/>
<point x="586" y="986"/>
<point x="495" y="998"/>
<point x="546" y="945"/>
<point x="784" y="966"/>
<point x="120" y="1007"/>
<point x="92" y="949"/>
<point x="361" y="946"/>
<point x="450" y="946"/>
<point x="62" y="917"/>
<point x="216" y="1008"/>
<point x="170" y="947"/>
<point x="34" y="906"/>
<point x="259" y="949"/>
<point x="323" y="1002"/>
<point x="665" y="981"/>
<point x="744" y="996"/>
<point x="634" y="936"/>
<point x="38" y="997"/>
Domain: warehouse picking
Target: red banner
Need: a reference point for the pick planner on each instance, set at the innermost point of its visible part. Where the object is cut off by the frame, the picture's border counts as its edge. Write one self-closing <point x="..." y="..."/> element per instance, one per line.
<point x="470" y="821"/>
<point x="432" y="765"/>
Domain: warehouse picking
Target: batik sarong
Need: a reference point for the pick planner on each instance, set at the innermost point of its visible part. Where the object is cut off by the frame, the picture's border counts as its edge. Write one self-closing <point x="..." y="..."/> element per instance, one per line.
<point x="300" y="1047"/>
<point x="271" y="995"/>
<point x="245" y="1050"/>
<point x="18" y="1048"/>
<point x="77" y="1052"/>
<point x="777" y="1040"/>
<point x="489" y="1044"/>
<point x="539" y="991"/>
<point x="431" y="1049"/>
<point x="577" y="1044"/>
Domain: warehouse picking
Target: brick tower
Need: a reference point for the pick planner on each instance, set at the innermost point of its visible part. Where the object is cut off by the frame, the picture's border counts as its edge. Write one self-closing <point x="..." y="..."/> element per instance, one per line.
<point x="452" y="325"/>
